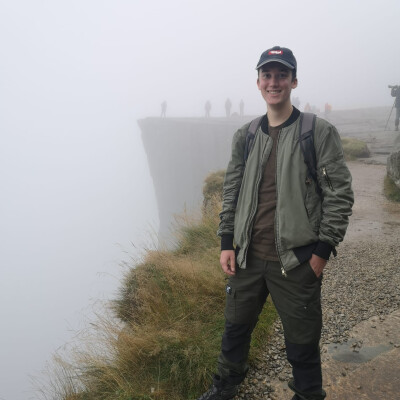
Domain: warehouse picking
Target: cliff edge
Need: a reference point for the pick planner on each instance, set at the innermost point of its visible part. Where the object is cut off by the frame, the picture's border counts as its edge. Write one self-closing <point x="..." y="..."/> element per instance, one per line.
<point x="181" y="152"/>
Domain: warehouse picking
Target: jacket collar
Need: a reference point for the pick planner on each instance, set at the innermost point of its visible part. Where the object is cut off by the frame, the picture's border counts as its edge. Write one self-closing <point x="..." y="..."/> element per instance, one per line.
<point x="293" y="117"/>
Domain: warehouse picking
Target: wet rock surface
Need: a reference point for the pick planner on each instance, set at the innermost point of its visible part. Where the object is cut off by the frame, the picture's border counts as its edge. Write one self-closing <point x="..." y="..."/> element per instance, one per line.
<point x="361" y="302"/>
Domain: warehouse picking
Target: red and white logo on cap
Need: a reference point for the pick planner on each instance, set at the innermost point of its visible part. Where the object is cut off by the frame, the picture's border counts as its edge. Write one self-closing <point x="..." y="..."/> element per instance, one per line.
<point x="275" y="52"/>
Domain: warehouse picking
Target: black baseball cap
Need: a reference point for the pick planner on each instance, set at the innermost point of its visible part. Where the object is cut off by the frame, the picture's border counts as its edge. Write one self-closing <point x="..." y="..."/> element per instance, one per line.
<point x="278" y="54"/>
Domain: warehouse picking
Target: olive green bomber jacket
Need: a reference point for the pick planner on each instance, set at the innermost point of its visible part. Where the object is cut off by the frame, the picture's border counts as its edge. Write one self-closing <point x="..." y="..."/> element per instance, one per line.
<point x="303" y="218"/>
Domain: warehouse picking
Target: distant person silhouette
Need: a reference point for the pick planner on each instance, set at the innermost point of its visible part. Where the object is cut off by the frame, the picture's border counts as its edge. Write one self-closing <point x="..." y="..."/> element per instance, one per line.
<point x="207" y="107"/>
<point x="241" y="108"/>
<point x="296" y="102"/>
<point x="396" y="93"/>
<point x="163" y="109"/>
<point x="328" y="108"/>
<point x="307" y="107"/>
<point x="228" y="106"/>
<point x="314" y="109"/>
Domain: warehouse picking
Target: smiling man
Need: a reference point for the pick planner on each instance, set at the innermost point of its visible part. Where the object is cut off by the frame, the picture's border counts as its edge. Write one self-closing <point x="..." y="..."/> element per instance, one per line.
<point x="281" y="219"/>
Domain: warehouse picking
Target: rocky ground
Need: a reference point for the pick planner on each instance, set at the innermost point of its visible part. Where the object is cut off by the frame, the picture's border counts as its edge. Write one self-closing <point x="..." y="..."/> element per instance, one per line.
<point x="360" y="296"/>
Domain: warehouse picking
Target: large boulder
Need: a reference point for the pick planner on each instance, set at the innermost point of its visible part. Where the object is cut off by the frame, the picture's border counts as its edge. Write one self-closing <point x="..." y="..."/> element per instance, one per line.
<point x="393" y="167"/>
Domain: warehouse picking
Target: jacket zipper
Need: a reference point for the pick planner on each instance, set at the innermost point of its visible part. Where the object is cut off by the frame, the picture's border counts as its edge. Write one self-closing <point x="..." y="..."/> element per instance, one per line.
<point x="276" y="219"/>
<point x="253" y="211"/>
<point x="327" y="179"/>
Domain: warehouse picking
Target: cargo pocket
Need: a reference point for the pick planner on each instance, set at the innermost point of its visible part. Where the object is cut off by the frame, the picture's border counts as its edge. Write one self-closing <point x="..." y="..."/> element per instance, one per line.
<point x="242" y="306"/>
<point x="230" y="307"/>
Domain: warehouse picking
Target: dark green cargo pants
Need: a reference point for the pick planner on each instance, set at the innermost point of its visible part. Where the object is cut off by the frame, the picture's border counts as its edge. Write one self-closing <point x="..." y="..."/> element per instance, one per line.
<point x="297" y="298"/>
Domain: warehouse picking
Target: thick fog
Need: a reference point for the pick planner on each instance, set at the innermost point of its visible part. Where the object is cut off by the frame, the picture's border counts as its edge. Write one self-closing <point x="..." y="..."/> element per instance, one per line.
<point x="76" y="195"/>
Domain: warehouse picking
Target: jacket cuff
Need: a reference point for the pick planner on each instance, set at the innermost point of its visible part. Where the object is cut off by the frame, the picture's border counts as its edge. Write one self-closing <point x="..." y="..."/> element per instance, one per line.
<point x="323" y="250"/>
<point x="227" y="242"/>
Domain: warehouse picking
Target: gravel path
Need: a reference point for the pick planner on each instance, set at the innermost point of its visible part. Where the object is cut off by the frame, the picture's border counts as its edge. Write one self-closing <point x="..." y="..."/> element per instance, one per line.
<point x="361" y="282"/>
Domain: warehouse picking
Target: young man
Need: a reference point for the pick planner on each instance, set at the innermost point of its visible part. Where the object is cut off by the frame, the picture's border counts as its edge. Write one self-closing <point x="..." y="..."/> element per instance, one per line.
<point x="284" y="231"/>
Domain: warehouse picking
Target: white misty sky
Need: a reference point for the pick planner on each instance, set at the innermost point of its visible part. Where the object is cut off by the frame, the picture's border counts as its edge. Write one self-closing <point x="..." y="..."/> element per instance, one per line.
<point x="74" y="78"/>
<point x="90" y="56"/>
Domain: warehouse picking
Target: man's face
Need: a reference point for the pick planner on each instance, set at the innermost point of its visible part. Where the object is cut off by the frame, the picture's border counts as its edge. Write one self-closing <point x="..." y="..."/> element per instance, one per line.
<point x="275" y="83"/>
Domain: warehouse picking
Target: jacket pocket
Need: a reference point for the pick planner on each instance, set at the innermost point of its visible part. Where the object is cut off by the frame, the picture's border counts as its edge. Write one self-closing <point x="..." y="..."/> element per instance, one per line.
<point x="326" y="178"/>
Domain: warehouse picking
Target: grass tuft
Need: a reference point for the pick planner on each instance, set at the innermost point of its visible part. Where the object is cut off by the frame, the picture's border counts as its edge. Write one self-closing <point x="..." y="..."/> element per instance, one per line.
<point x="212" y="189"/>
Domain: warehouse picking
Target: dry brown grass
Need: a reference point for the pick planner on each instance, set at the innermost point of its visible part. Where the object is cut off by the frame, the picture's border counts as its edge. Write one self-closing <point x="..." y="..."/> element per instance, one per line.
<point x="162" y="336"/>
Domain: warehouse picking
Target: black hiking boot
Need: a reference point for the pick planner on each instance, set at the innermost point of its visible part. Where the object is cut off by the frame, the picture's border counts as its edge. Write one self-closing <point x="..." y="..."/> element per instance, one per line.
<point x="220" y="390"/>
<point x="320" y="395"/>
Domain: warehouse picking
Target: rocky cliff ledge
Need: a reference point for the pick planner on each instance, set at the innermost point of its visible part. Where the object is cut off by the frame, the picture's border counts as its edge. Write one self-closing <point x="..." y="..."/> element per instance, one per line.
<point x="181" y="152"/>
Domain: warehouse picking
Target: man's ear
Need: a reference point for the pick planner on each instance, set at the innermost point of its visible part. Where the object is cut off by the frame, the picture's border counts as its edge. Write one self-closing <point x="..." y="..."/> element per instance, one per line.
<point x="294" y="83"/>
<point x="258" y="83"/>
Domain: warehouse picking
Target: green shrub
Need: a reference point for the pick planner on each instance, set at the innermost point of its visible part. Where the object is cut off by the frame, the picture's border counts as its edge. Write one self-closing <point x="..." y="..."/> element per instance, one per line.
<point x="391" y="191"/>
<point x="354" y="148"/>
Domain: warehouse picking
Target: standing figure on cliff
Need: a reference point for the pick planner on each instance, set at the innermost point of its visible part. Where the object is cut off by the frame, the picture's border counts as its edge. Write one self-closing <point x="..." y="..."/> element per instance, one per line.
<point x="163" y="109"/>
<point x="296" y="102"/>
<point x="328" y="108"/>
<point x="207" y="107"/>
<point x="396" y="93"/>
<point x="285" y="226"/>
<point x="241" y="108"/>
<point x="228" y="106"/>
